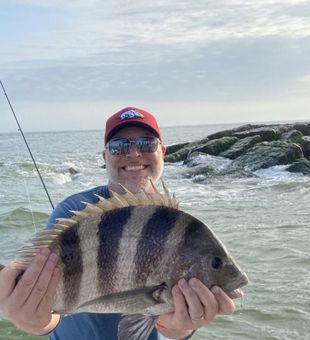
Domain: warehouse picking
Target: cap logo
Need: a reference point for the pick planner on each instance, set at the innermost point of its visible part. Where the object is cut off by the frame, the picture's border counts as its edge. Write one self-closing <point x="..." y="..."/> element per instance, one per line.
<point x="130" y="114"/>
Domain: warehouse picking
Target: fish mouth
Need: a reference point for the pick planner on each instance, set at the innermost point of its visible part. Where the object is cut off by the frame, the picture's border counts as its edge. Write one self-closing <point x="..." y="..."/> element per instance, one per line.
<point x="236" y="292"/>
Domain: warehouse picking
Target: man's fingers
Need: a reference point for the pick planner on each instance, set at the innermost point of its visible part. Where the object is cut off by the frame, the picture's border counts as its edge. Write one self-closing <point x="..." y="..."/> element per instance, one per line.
<point x="225" y="303"/>
<point x="30" y="277"/>
<point x="205" y="295"/>
<point x="207" y="299"/>
<point x="41" y="286"/>
<point x="8" y="276"/>
<point x="180" y="306"/>
<point x="195" y="308"/>
<point x="46" y="302"/>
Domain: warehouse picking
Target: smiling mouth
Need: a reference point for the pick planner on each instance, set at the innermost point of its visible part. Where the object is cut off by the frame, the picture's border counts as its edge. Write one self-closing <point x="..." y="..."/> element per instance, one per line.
<point x="134" y="167"/>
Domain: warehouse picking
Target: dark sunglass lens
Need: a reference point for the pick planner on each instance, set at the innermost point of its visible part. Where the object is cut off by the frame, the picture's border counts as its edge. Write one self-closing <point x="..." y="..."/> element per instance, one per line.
<point x="146" y="144"/>
<point x="119" y="146"/>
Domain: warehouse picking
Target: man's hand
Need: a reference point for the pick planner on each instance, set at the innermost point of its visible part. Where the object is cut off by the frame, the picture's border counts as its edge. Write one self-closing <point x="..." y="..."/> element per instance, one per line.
<point x="27" y="304"/>
<point x="195" y="306"/>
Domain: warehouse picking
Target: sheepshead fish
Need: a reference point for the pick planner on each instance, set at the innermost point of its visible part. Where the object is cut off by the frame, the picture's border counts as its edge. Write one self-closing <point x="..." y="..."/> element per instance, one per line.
<point x="124" y="254"/>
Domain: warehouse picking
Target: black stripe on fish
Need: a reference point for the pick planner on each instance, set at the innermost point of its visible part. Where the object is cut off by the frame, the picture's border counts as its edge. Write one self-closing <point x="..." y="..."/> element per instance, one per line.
<point x="110" y="231"/>
<point x="194" y="236"/>
<point x="71" y="257"/>
<point x="195" y="231"/>
<point x="152" y="241"/>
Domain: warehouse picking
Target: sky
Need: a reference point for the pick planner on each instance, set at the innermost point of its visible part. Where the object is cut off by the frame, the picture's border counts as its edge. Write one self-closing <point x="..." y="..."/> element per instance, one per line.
<point x="70" y="64"/>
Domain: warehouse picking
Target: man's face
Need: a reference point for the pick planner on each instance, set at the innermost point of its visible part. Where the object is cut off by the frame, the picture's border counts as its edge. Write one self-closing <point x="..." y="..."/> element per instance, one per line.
<point x="134" y="170"/>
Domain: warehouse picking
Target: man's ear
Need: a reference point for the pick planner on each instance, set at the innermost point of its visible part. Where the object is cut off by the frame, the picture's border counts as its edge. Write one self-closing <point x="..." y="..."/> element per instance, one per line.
<point x="163" y="148"/>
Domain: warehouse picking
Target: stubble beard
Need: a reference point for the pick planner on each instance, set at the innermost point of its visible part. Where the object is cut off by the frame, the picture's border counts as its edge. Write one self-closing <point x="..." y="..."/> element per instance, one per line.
<point x="134" y="185"/>
<point x="138" y="185"/>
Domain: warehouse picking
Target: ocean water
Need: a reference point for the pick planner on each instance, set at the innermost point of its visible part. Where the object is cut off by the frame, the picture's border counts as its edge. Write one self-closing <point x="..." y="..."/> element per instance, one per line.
<point x="264" y="221"/>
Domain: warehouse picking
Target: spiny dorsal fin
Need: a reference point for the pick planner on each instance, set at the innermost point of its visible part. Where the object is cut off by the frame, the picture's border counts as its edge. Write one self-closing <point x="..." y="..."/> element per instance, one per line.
<point x="142" y="198"/>
<point x="45" y="237"/>
<point x="118" y="201"/>
<point x="92" y="207"/>
<point x="104" y="203"/>
<point x="129" y="196"/>
<point x="66" y="221"/>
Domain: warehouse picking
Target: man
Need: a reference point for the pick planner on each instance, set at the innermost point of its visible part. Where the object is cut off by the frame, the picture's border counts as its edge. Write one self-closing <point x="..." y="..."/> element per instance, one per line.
<point x="134" y="154"/>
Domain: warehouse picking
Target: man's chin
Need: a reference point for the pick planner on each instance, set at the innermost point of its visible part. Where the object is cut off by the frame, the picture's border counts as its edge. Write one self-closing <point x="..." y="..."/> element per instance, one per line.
<point x="137" y="186"/>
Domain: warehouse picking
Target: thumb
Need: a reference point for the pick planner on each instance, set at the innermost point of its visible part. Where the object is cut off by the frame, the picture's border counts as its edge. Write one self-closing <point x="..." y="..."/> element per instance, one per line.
<point x="8" y="278"/>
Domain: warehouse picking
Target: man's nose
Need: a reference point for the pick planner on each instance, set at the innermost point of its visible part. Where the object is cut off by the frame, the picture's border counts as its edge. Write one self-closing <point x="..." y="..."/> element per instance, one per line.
<point x="133" y="151"/>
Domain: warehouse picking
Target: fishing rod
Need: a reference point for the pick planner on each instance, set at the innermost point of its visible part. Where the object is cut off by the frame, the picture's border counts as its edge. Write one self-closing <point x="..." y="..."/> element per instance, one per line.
<point x="21" y="131"/>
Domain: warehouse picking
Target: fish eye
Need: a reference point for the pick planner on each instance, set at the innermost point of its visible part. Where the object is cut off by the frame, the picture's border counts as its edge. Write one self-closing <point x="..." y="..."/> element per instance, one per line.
<point x="216" y="262"/>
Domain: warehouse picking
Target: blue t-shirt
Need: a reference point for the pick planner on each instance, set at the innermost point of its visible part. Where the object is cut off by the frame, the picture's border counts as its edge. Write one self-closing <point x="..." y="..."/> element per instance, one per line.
<point x="86" y="326"/>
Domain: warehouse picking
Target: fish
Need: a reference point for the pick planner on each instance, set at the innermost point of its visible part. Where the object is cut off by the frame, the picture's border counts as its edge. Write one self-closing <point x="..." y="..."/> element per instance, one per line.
<point x="125" y="253"/>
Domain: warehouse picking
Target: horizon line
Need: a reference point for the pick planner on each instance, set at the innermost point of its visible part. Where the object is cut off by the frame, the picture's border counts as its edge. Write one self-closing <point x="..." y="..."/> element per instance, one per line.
<point x="172" y="126"/>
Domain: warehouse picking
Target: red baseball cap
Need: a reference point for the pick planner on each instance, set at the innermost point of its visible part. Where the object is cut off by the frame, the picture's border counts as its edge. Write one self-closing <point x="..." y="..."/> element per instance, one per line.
<point x="130" y="116"/>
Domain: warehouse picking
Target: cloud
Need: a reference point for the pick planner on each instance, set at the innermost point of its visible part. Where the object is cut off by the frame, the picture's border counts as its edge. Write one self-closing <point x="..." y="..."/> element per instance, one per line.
<point x="121" y="51"/>
<point x="225" y="70"/>
<point x="95" y="27"/>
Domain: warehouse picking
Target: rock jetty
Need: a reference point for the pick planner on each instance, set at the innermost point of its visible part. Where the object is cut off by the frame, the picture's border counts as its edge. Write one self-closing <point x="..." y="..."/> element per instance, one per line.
<point x="247" y="148"/>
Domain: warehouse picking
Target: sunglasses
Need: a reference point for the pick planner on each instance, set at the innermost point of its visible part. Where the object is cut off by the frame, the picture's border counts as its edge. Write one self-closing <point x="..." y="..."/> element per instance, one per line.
<point x="121" y="146"/>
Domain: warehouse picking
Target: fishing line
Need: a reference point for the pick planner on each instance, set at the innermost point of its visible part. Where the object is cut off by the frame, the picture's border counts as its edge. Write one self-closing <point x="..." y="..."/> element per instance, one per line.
<point x="21" y="131"/>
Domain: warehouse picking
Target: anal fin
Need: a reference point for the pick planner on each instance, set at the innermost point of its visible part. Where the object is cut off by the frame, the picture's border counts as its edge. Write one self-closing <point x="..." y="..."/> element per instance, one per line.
<point x="136" y="327"/>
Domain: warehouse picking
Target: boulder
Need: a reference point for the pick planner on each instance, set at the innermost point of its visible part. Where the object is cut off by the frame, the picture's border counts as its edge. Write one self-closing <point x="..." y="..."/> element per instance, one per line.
<point x="179" y="152"/>
<point x="201" y="169"/>
<point x="175" y="147"/>
<point x="241" y="146"/>
<point x="302" y="165"/>
<point x="267" y="154"/>
<point x="282" y="128"/>
<point x="266" y="133"/>
<point x="216" y="146"/>
<point x="202" y="172"/>
<point x="305" y="144"/>
<point x="195" y="158"/>
<point x="293" y="136"/>
<point x="178" y="156"/>
<point x="73" y="171"/>
<point x="212" y="147"/>
<point x="199" y="142"/>
<point x="304" y="128"/>
<point x="230" y="132"/>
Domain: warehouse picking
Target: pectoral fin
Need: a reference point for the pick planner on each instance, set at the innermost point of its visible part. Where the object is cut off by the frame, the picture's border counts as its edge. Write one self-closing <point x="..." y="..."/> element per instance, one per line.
<point x="134" y="301"/>
<point x="136" y="327"/>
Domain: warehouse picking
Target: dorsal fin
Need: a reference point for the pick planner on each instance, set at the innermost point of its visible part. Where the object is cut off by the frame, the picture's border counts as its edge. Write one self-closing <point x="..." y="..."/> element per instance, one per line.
<point x="46" y="237"/>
